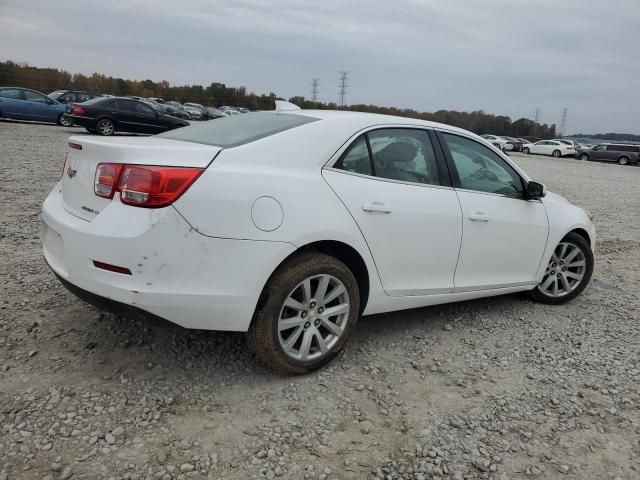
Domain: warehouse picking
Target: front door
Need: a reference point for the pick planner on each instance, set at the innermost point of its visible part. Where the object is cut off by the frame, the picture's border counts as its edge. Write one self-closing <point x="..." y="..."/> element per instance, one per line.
<point x="504" y="235"/>
<point x="399" y="195"/>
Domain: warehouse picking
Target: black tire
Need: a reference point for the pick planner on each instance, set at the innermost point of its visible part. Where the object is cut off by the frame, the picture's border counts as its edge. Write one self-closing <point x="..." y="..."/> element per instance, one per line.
<point x="623" y="160"/>
<point x="263" y="336"/>
<point x="105" y="127"/>
<point x="583" y="245"/>
<point x="64" y="121"/>
<point x="525" y="150"/>
<point x="557" y="153"/>
<point x="584" y="157"/>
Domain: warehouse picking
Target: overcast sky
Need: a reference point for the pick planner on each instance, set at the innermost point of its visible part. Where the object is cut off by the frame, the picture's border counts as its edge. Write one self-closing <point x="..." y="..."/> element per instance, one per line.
<point x="503" y="56"/>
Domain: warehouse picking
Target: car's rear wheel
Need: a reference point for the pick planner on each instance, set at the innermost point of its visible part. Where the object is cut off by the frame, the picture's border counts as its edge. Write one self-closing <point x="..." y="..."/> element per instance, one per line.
<point x="557" y="153"/>
<point x="584" y="156"/>
<point x="623" y="160"/>
<point x="64" y="121"/>
<point x="306" y="314"/>
<point x="525" y="150"/>
<point x="568" y="272"/>
<point x="105" y="127"/>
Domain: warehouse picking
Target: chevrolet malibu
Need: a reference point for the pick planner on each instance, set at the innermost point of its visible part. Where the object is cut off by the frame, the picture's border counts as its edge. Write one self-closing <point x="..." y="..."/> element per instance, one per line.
<point x="291" y="226"/>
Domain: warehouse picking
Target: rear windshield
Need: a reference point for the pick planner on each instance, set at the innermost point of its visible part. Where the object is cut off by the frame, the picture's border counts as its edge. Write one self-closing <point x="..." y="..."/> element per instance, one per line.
<point x="237" y="130"/>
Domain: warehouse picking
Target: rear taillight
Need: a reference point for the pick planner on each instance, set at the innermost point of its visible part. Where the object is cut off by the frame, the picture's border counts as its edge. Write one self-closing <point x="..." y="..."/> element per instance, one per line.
<point x="106" y="179"/>
<point x="78" y="111"/>
<point x="142" y="185"/>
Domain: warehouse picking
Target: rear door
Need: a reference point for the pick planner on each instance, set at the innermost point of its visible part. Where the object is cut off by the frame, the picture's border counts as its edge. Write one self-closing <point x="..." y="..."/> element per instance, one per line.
<point x="12" y="103"/>
<point x="40" y="107"/>
<point x="504" y="235"/>
<point x="127" y="116"/>
<point x="395" y="185"/>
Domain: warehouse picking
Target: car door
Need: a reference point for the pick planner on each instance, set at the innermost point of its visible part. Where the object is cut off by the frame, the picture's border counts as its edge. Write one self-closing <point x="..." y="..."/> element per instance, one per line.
<point x="12" y="103"/>
<point x="598" y="152"/>
<point x="126" y="116"/>
<point x="40" y="107"/>
<point x="399" y="194"/>
<point x="611" y="153"/>
<point x="153" y="123"/>
<point x="504" y="235"/>
<point x="538" y="147"/>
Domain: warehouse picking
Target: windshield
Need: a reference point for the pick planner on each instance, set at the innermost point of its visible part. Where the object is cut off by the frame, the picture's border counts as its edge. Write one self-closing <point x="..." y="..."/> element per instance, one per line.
<point x="237" y="130"/>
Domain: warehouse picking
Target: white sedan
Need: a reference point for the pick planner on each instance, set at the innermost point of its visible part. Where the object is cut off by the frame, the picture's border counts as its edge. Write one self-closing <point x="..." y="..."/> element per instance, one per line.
<point x="291" y="226"/>
<point x="553" y="148"/>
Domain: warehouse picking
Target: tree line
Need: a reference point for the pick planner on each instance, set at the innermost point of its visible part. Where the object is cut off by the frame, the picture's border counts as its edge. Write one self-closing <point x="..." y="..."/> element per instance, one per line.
<point x="217" y="94"/>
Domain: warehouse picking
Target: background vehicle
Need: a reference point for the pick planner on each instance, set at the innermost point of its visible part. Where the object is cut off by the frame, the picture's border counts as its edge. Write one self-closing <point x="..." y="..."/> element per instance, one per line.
<point x="193" y="112"/>
<point x="106" y="116"/>
<point x="215" y="113"/>
<point x="229" y="245"/>
<point x="71" y="96"/>
<point x="612" y="152"/>
<point x="516" y="144"/>
<point x="498" y="142"/>
<point x="26" y="104"/>
<point x="548" y="147"/>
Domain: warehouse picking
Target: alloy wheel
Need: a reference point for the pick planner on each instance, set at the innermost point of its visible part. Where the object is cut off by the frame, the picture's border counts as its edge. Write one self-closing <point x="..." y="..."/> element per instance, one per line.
<point x="65" y="122"/>
<point x="565" y="271"/>
<point x="105" y="127"/>
<point x="313" y="317"/>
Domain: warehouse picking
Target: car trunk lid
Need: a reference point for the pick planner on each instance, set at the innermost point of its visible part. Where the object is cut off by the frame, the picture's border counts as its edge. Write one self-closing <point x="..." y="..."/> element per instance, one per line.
<point x="86" y="152"/>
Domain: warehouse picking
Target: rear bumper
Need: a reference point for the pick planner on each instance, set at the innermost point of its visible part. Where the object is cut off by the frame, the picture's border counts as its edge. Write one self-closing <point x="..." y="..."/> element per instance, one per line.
<point x="177" y="274"/>
<point x="82" y="121"/>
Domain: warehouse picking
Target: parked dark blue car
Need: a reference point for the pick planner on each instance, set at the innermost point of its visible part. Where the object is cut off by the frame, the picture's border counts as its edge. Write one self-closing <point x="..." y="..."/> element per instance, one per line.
<point x="25" y="104"/>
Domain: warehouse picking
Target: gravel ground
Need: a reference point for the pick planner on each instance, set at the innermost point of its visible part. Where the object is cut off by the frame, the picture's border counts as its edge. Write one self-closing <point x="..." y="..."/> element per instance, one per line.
<point x="500" y="388"/>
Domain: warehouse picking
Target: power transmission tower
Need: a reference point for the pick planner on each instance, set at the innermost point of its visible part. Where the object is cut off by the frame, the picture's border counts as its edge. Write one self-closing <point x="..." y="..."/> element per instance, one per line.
<point x="342" y="86"/>
<point x="563" y="122"/>
<point x="536" y="119"/>
<point x="314" y="89"/>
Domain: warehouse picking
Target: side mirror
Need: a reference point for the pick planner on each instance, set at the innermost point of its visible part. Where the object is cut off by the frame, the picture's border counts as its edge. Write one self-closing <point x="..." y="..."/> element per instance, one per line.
<point x="535" y="190"/>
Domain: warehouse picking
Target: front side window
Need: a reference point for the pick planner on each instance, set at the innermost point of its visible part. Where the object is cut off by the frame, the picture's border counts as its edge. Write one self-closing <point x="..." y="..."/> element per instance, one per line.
<point x="482" y="170"/>
<point x="34" y="97"/>
<point x="145" y="109"/>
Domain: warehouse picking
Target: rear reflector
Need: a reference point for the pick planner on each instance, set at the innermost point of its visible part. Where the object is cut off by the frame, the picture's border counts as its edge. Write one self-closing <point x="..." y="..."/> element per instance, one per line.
<point x="75" y="146"/>
<point x="143" y="185"/>
<point x="111" y="268"/>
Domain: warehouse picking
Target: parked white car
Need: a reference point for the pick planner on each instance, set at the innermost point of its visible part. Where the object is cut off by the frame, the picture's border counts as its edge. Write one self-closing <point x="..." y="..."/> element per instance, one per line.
<point x="554" y="148"/>
<point x="499" y="142"/>
<point x="290" y="226"/>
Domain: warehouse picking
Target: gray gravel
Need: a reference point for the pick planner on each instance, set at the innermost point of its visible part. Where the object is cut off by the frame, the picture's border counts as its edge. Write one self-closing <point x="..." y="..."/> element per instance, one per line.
<point x="501" y="388"/>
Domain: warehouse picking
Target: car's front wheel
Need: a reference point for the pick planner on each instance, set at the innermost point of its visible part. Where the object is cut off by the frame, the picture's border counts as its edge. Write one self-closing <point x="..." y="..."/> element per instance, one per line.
<point x="105" y="127"/>
<point x="306" y="314"/>
<point x="63" y="121"/>
<point x="584" y="156"/>
<point x="568" y="272"/>
<point x="525" y="150"/>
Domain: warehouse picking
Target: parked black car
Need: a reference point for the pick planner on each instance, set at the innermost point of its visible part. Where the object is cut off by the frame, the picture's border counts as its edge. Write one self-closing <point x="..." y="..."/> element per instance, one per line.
<point x="105" y="116"/>
<point x="517" y="144"/>
<point x="612" y="152"/>
<point x="71" y="96"/>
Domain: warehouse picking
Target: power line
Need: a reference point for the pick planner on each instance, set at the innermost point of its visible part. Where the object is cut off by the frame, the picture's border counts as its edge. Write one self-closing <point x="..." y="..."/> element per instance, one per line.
<point x="314" y="89"/>
<point x="342" y="86"/>
<point x="563" y="122"/>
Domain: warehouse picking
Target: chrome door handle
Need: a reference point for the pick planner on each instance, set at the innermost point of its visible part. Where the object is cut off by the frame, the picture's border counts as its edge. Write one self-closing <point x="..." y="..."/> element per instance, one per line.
<point x="479" y="217"/>
<point x="376" y="207"/>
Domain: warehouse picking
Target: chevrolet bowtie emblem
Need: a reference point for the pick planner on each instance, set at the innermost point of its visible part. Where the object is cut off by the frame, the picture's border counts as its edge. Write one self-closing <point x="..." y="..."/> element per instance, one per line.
<point x="71" y="172"/>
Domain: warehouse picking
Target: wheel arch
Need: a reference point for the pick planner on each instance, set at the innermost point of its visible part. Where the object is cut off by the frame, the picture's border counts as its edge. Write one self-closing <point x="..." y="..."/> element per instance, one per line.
<point x="582" y="232"/>
<point x="339" y="250"/>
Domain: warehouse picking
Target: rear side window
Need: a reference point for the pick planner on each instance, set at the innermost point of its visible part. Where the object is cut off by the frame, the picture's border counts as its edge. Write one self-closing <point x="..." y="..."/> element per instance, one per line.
<point x="11" y="93"/>
<point x="126" y="105"/>
<point x="237" y="130"/>
<point x="402" y="154"/>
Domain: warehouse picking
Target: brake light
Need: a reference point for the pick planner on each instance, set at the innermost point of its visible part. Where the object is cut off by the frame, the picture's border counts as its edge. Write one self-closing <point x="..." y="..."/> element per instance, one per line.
<point x="142" y="185"/>
<point x="106" y="179"/>
<point x="78" y="110"/>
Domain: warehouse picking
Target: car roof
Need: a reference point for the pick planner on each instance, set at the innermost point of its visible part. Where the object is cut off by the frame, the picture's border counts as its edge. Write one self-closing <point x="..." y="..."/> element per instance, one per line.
<point x="365" y="119"/>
